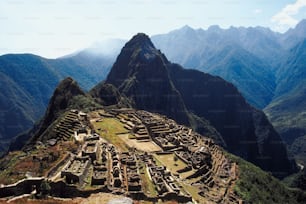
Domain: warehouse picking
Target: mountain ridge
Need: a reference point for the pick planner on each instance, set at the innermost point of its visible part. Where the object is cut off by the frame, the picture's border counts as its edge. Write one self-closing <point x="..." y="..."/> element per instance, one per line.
<point x="144" y="73"/>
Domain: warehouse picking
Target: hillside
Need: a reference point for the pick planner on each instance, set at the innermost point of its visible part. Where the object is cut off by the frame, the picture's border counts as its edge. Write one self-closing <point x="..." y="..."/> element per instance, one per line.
<point x="28" y="82"/>
<point x="152" y="83"/>
<point x="123" y="154"/>
<point x="68" y="94"/>
<point x="287" y="110"/>
<point x="243" y="56"/>
<point x="267" y="68"/>
<point x="249" y="73"/>
<point x="252" y="58"/>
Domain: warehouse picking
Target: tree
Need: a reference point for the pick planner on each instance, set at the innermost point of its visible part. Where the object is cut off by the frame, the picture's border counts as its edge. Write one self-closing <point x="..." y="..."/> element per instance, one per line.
<point x="45" y="188"/>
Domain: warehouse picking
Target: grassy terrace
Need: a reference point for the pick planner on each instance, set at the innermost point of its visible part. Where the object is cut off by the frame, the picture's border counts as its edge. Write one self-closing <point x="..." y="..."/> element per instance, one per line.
<point x="174" y="165"/>
<point x="109" y="128"/>
<point x="193" y="191"/>
<point x="147" y="184"/>
<point x="170" y="163"/>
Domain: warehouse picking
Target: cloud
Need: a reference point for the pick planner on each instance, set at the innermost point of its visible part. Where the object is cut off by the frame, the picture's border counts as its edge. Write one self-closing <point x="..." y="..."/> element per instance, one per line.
<point x="286" y="17"/>
<point x="257" y="11"/>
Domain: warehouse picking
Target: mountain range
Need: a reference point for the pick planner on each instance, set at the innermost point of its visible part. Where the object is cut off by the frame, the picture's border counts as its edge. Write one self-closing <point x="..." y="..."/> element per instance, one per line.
<point x="143" y="78"/>
<point x="267" y="67"/>
<point x="236" y="54"/>
<point x="27" y="83"/>
<point x="248" y="183"/>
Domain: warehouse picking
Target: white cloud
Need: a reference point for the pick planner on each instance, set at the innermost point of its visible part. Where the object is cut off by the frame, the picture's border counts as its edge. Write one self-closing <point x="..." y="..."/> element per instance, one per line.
<point x="286" y="17"/>
<point x="257" y="11"/>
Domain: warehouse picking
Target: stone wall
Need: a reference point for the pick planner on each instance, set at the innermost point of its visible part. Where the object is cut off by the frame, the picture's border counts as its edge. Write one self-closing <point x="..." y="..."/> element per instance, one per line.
<point x="24" y="186"/>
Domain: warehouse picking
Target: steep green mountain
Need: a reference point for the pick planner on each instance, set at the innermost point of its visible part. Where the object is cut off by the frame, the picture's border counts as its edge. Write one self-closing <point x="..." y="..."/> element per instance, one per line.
<point x="68" y="94"/>
<point x="153" y="91"/>
<point x="108" y="95"/>
<point x="14" y="109"/>
<point x="151" y="82"/>
<point x="140" y="73"/>
<point x="27" y="83"/>
<point x="287" y="111"/>
<point x="240" y="67"/>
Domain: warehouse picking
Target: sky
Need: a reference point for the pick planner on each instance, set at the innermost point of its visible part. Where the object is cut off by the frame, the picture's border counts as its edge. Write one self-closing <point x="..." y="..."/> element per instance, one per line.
<point x="53" y="28"/>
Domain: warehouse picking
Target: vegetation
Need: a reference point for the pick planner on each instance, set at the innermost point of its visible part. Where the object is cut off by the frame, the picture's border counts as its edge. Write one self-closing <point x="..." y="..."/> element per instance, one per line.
<point x="28" y="81"/>
<point x="109" y="128"/>
<point x="44" y="188"/>
<point x="36" y="162"/>
<point x="256" y="186"/>
<point x="84" y="103"/>
<point x="169" y="161"/>
<point x="148" y="186"/>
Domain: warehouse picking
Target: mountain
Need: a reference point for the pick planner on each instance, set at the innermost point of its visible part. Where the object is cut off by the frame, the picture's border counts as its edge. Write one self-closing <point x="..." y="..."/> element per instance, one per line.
<point x="267" y="68"/>
<point x="221" y="52"/>
<point x="27" y="83"/>
<point x="55" y="150"/>
<point x="151" y="82"/>
<point x="294" y="35"/>
<point x="153" y="91"/>
<point x="149" y="90"/>
<point x="287" y="110"/>
<point x="16" y="112"/>
<point x="67" y="95"/>
<point x="240" y="67"/>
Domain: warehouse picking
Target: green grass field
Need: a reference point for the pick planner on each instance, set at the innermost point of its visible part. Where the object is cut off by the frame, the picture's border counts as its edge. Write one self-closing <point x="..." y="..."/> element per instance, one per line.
<point x="170" y="163"/>
<point x="109" y="128"/>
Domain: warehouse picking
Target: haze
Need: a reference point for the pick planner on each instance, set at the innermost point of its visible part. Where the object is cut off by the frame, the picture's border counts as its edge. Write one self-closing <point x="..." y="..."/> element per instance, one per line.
<point x="53" y="28"/>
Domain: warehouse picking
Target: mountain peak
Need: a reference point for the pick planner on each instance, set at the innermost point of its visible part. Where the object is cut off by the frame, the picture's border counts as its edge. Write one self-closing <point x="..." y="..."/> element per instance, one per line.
<point x="64" y="92"/>
<point x="214" y="28"/>
<point x="138" y="53"/>
<point x="301" y="24"/>
<point x="140" y="73"/>
<point x="140" y="40"/>
<point x="187" y="28"/>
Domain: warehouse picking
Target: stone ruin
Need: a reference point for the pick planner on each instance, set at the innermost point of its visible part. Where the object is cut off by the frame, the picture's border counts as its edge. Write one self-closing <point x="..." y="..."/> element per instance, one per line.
<point x="107" y="169"/>
<point x="76" y="169"/>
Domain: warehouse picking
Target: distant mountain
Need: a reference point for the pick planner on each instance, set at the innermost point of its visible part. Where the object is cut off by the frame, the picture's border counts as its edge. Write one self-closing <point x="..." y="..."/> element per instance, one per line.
<point x="267" y="68"/>
<point x="294" y="35"/>
<point x="287" y="111"/>
<point x="151" y="82"/>
<point x="246" y="71"/>
<point x="27" y="82"/>
<point x="223" y="52"/>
